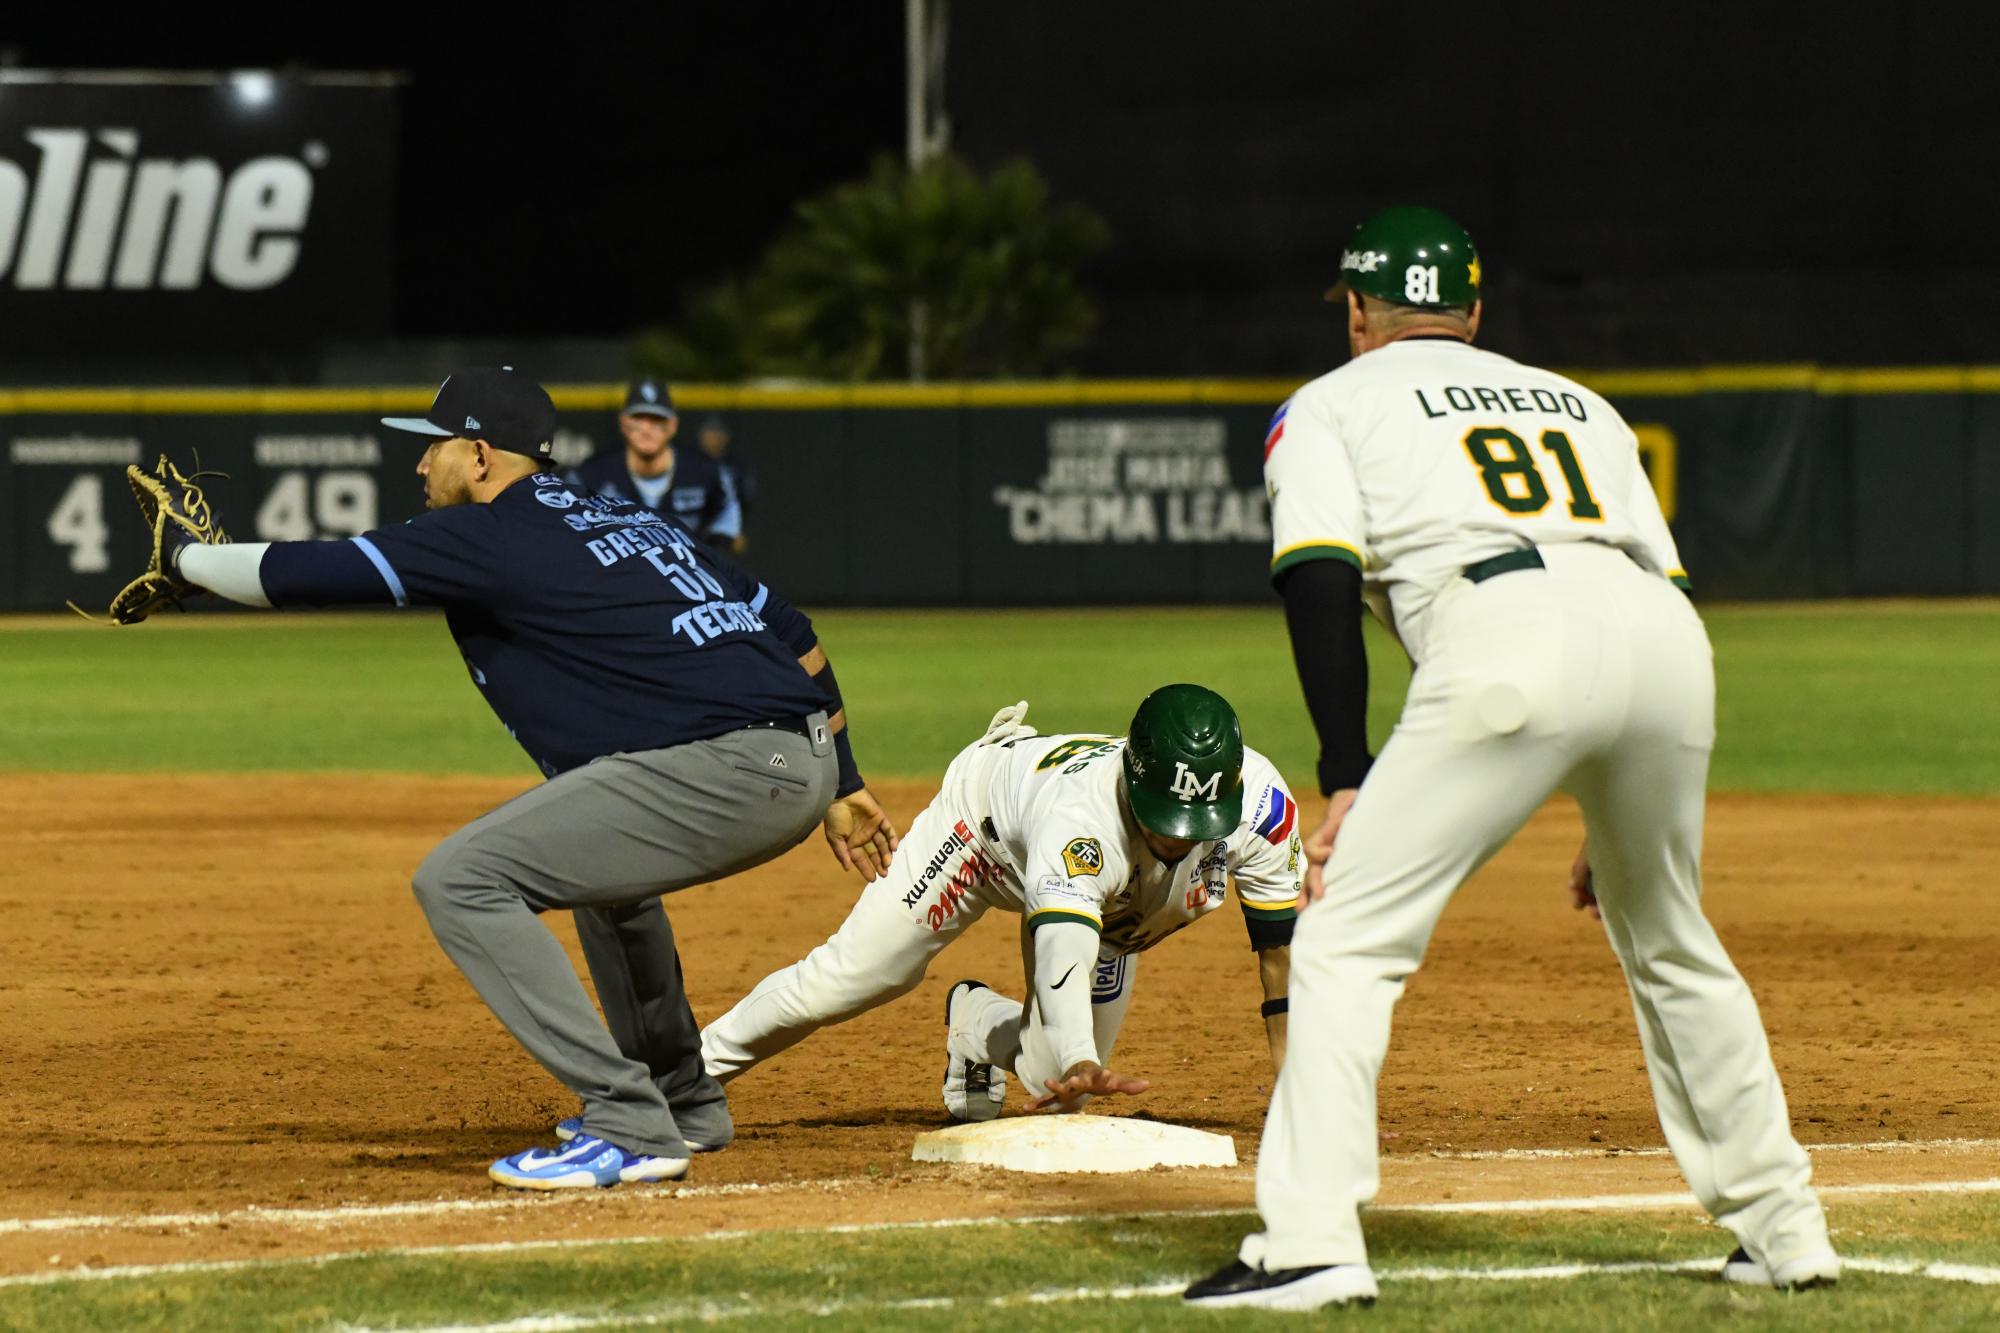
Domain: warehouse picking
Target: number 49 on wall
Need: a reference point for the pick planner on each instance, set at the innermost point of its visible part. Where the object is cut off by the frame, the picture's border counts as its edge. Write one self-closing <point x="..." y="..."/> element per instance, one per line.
<point x="333" y="504"/>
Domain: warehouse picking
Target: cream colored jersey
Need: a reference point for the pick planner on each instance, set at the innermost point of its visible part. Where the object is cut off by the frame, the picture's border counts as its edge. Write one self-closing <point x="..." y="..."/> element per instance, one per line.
<point x="1065" y="850"/>
<point x="1417" y="459"/>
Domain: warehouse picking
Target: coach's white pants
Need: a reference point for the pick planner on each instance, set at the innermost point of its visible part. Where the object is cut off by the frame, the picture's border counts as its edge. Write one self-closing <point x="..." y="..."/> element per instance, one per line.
<point x="1597" y="678"/>
<point x="932" y="893"/>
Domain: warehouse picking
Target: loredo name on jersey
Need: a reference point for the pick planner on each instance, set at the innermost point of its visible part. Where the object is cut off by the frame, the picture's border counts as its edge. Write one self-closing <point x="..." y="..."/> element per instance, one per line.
<point x="1475" y="398"/>
<point x="142" y="223"/>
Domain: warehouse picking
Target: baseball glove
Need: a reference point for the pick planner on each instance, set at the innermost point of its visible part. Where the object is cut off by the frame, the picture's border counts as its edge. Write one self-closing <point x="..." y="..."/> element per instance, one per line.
<point x="176" y="513"/>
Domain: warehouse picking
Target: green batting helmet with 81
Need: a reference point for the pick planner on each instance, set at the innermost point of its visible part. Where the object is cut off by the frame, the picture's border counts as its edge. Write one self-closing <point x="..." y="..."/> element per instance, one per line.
<point x="1184" y="764"/>
<point x="1412" y="256"/>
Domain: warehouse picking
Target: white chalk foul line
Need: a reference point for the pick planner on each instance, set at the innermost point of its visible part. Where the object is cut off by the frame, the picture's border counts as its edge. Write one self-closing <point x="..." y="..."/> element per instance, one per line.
<point x="1632" y="1202"/>
<point x="1608" y="1202"/>
<point x="367" y="1212"/>
<point x="1574" y="1154"/>
<point x="445" y="1207"/>
<point x="717" y="1311"/>
<point x="341" y="1213"/>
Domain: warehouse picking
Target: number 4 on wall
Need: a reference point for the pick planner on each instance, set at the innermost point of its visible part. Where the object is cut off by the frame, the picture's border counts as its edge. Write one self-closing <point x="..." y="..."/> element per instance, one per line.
<point x="77" y="522"/>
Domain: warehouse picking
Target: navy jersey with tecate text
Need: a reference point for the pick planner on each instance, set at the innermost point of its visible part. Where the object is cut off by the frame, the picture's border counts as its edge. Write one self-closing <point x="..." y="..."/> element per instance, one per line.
<point x="591" y="625"/>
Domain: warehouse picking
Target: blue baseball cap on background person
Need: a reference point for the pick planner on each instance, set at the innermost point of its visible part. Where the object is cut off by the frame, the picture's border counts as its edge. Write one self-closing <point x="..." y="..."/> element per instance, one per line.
<point x="649" y="398"/>
<point x="492" y="403"/>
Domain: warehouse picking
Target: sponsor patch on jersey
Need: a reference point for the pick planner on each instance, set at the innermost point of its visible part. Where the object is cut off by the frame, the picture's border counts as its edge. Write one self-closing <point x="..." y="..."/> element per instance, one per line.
<point x="1214" y="872"/>
<point x="562" y="499"/>
<point x="946" y="857"/>
<point x="1276" y="430"/>
<point x="1276" y="814"/>
<point x="1083" y="857"/>
<point x="1059" y="895"/>
<point x="1107" y="982"/>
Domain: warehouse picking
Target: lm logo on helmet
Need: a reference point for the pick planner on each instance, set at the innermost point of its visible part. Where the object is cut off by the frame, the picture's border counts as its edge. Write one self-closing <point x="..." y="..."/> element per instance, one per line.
<point x="1189" y="787"/>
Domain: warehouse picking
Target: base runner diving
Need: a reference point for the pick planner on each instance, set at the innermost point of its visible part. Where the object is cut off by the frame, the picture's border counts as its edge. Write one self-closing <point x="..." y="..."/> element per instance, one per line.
<point x="1105" y="845"/>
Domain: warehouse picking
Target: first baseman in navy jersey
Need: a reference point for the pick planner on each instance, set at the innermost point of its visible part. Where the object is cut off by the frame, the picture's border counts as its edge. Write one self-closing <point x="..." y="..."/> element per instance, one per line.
<point x="684" y="484"/>
<point x="684" y="715"/>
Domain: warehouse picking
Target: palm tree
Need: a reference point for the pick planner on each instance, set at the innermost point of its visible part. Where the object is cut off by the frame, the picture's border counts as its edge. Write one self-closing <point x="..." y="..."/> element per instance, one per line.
<point x="928" y="273"/>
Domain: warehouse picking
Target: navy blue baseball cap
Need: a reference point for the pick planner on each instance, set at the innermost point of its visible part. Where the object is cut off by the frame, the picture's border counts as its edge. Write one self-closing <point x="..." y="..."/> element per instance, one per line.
<point x="492" y="403"/>
<point x="649" y="398"/>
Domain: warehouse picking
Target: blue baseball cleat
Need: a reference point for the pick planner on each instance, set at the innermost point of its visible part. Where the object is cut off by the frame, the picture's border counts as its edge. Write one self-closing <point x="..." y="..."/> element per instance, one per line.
<point x="585" y="1162"/>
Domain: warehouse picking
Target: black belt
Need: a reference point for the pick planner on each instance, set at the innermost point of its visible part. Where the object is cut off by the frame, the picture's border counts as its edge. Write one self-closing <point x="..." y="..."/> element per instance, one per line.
<point x="1505" y="563"/>
<point x="798" y="726"/>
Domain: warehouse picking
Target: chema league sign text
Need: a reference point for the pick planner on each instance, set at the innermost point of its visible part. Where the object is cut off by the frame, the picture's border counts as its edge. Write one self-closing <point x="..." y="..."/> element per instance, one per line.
<point x="1143" y="480"/>
<point x="196" y="213"/>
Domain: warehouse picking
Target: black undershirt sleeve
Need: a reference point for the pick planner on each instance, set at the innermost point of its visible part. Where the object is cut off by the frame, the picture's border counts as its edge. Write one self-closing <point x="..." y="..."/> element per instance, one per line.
<point x="1323" y="613"/>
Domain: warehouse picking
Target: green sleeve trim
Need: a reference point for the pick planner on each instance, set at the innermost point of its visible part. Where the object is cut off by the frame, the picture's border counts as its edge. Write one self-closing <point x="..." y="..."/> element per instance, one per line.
<point x="1681" y="581"/>
<point x="1053" y="915"/>
<point x="1304" y="551"/>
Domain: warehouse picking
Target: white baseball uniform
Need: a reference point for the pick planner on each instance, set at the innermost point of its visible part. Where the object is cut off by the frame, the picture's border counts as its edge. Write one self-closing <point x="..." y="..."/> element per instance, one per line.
<point x="1036" y="825"/>
<point x="1592" y="674"/>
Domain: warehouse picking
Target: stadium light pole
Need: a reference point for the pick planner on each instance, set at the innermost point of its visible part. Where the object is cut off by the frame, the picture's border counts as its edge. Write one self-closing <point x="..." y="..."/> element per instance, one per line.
<point x="926" y="129"/>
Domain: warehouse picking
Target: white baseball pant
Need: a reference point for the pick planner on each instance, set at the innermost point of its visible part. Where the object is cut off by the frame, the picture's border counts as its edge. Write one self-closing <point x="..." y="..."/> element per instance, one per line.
<point x="1595" y="677"/>
<point x="935" y="889"/>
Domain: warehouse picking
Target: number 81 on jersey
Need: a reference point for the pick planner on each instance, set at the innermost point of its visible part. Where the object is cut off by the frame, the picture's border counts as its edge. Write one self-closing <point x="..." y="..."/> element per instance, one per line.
<point x="1515" y="483"/>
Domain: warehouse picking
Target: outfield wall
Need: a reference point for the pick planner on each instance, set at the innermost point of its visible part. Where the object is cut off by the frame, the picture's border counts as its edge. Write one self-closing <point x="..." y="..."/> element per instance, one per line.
<point x="1780" y="481"/>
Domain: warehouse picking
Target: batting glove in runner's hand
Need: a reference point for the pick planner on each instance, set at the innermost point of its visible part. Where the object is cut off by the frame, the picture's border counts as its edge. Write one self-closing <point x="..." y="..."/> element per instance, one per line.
<point x="177" y="514"/>
<point x="1009" y="724"/>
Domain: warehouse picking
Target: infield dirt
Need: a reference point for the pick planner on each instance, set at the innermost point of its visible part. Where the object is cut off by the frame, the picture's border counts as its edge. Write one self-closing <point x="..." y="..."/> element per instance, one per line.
<point x="219" y="994"/>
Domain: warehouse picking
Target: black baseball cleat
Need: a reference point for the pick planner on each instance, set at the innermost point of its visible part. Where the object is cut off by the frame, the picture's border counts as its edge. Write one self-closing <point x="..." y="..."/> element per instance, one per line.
<point x="1815" y="1268"/>
<point x="1238" y="1284"/>
<point x="973" y="1090"/>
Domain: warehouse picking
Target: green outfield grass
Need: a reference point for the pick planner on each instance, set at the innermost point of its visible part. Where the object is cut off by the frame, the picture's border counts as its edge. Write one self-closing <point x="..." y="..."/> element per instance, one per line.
<point x="1857" y="697"/>
<point x="1059" y="1275"/>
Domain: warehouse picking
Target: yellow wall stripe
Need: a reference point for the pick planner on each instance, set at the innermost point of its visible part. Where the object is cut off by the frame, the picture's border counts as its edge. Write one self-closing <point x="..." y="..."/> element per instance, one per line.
<point x="413" y="398"/>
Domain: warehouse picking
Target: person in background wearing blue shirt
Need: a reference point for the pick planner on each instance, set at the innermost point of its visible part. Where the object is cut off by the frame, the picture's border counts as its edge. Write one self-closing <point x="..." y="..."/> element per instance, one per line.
<point x="685" y="717"/>
<point x="684" y="484"/>
<point x="714" y="438"/>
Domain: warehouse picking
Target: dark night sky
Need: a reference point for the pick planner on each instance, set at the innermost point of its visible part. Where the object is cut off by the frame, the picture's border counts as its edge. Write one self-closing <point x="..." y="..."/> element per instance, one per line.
<point x="576" y="179"/>
<point x="1650" y="186"/>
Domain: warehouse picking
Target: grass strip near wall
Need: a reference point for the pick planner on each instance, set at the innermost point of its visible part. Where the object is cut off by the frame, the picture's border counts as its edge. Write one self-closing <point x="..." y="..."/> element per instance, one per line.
<point x="1849" y="697"/>
<point x="1040" y="1276"/>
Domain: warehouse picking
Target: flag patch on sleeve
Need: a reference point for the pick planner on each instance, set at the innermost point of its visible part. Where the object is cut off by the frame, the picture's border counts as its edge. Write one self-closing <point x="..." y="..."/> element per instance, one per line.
<point x="1276" y="431"/>
<point x="1276" y="814"/>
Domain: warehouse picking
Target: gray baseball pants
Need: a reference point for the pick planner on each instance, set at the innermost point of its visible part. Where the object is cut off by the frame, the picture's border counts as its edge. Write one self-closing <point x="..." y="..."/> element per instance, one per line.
<point x="606" y="840"/>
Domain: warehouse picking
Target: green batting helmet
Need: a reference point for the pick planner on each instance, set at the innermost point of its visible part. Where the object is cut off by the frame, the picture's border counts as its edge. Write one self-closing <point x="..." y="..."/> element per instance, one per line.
<point x="1184" y="763"/>
<point x="1412" y="256"/>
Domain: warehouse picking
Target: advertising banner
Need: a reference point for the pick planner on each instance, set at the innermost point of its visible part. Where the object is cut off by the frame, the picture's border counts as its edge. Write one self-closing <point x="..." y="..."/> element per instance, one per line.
<point x="205" y="214"/>
<point x="1049" y="499"/>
